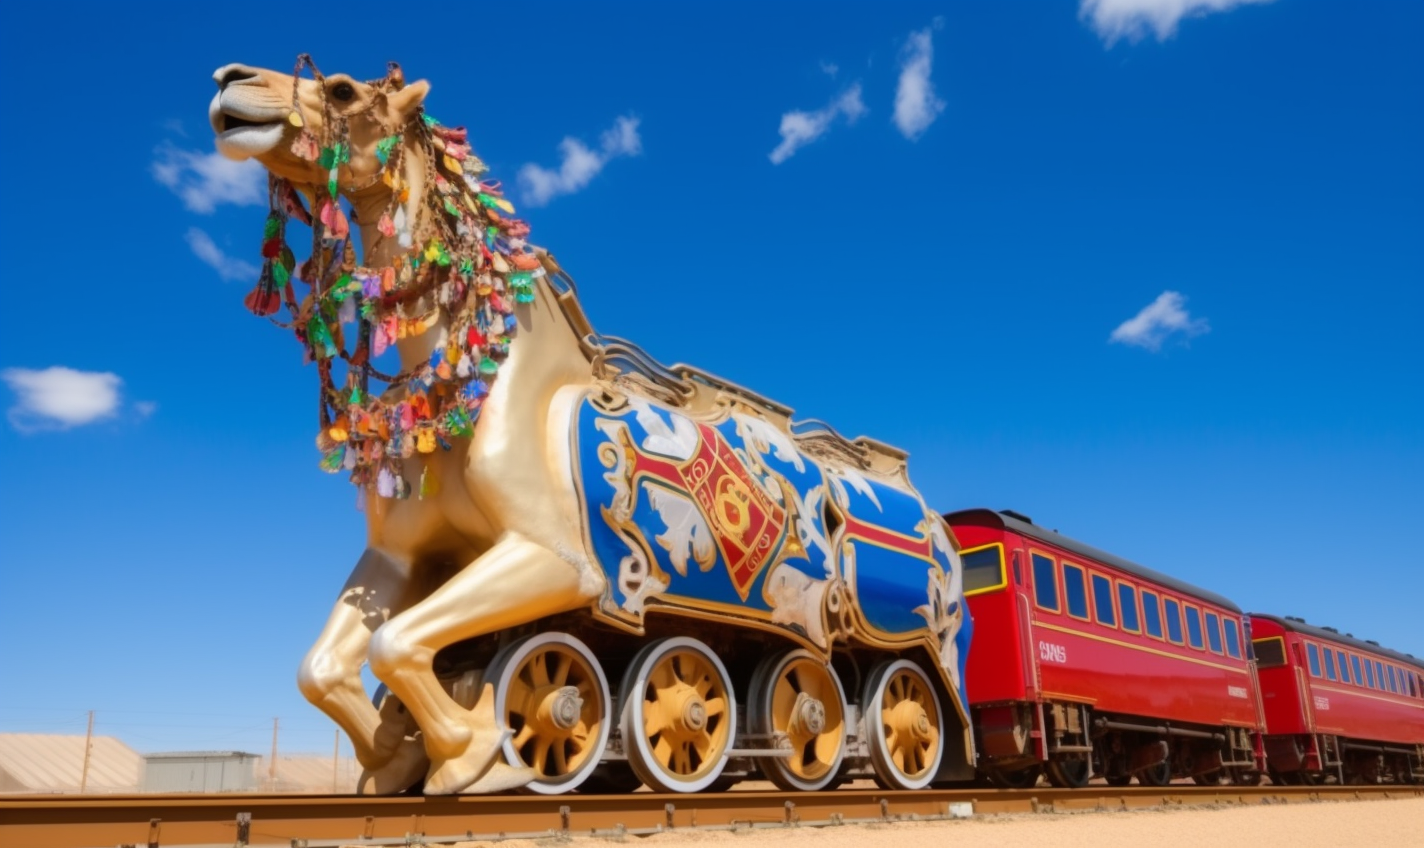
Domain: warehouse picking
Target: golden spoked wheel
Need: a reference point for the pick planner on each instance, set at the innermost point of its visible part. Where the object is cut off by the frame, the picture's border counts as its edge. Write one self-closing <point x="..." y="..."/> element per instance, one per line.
<point x="797" y="699"/>
<point x="679" y="715"/>
<point x="904" y="725"/>
<point x="551" y="694"/>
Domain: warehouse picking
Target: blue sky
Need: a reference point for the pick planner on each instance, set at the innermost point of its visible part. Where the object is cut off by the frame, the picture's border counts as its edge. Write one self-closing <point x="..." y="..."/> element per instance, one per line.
<point x="1154" y="282"/>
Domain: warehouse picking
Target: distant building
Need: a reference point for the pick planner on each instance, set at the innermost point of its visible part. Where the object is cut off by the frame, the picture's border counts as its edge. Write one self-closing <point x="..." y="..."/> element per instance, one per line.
<point x="50" y="763"/>
<point x="200" y="771"/>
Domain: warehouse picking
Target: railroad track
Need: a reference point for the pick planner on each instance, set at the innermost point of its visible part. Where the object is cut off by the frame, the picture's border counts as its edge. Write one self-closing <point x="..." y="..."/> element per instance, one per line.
<point x="322" y="821"/>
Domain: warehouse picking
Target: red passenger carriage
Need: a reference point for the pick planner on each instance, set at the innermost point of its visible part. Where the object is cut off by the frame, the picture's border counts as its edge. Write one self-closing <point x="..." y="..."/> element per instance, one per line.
<point x="1084" y="663"/>
<point x="1336" y="705"/>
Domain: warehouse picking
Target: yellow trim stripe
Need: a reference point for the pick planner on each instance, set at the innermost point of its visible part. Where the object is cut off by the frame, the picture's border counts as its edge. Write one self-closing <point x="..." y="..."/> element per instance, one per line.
<point x="1395" y="700"/>
<point x="1141" y="648"/>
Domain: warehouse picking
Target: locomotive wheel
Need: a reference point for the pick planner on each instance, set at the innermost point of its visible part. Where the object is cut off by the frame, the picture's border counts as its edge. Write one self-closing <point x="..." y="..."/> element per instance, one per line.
<point x="904" y="725"/>
<point x="679" y="715"/>
<point x="1070" y="774"/>
<point x="798" y="698"/>
<point x="1158" y="775"/>
<point x="1118" y="779"/>
<point x="1021" y="779"/>
<point x="551" y="694"/>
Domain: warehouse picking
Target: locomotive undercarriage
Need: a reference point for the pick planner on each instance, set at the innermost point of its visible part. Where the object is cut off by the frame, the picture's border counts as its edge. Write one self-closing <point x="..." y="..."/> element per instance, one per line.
<point x="1070" y="744"/>
<point x="1311" y="759"/>
<point x="685" y="708"/>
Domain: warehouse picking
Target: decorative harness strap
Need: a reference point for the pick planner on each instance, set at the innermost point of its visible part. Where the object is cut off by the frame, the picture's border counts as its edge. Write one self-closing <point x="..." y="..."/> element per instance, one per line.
<point x="465" y="260"/>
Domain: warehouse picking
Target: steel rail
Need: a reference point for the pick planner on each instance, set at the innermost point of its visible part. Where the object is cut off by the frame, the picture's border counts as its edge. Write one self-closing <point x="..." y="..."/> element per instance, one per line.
<point x="321" y="821"/>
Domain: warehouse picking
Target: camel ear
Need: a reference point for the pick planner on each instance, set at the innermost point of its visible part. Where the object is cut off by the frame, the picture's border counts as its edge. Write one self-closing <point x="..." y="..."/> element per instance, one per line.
<point x="408" y="99"/>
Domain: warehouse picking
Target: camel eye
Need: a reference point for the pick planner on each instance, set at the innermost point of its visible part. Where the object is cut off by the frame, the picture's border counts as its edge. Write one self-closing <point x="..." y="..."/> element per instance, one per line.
<point x="343" y="91"/>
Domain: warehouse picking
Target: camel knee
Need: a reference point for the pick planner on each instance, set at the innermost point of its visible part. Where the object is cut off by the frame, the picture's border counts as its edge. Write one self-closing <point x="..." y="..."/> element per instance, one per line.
<point x="320" y="674"/>
<point x="393" y="651"/>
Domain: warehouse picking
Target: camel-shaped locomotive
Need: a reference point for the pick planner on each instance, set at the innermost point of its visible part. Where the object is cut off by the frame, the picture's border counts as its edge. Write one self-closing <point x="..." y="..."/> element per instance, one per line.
<point x="582" y="568"/>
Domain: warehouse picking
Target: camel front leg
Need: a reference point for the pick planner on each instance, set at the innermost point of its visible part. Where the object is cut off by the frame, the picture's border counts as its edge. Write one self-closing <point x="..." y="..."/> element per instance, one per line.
<point x="515" y="582"/>
<point x="330" y="676"/>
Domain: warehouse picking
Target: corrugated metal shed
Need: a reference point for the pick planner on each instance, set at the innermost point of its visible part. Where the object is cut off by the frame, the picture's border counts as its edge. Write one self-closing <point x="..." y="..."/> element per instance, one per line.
<point x="200" y="771"/>
<point x="46" y="762"/>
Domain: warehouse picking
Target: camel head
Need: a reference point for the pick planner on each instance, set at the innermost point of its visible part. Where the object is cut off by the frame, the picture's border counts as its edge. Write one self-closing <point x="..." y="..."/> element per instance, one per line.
<point x="283" y="120"/>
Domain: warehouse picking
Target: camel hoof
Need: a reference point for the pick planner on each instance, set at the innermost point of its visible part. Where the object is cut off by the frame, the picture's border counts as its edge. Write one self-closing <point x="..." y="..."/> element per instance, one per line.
<point x="401" y="772"/>
<point x="458" y="774"/>
<point x="500" y="778"/>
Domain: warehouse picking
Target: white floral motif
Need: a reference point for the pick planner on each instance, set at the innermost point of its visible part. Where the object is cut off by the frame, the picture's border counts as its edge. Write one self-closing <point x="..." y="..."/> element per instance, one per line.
<point x="687" y="531"/>
<point x="678" y="441"/>
<point x="796" y="599"/>
<point x="839" y="477"/>
<point x="945" y="614"/>
<point x="761" y="435"/>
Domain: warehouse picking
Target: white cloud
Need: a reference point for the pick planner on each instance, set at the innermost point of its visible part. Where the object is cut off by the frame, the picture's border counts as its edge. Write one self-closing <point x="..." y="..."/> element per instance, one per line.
<point x="830" y="69"/>
<point x="916" y="105"/>
<point x="799" y="129"/>
<point x="207" y="180"/>
<point x="1131" y="19"/>
<point x="1157" y="321"/>
<point x="229" y="268"/>
<point x="580" y="164"/>
<point x="58" y="398"/>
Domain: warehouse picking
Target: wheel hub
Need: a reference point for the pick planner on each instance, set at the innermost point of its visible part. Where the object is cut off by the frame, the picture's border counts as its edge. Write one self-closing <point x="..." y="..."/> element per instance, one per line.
<point x="808" y="717"/>
<point x="560" y="709"/>
<point x="911" y="719"/>
<point x="692" y="713"/>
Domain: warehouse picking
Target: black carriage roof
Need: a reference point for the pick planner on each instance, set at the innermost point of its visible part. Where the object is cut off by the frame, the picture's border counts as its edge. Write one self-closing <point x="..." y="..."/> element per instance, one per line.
<point x="1024" y="527"/>
<point x="1325" y="634"/>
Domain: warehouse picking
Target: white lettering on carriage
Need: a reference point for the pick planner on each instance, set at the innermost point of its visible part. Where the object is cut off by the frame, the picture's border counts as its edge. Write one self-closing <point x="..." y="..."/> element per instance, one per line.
<point x="1236" y="691"/>
<point x="1322" y="703"/>
<point x="1049" y="652"/>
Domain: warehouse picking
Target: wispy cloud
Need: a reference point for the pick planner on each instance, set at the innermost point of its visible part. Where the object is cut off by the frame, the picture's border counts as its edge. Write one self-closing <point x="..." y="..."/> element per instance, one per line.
<point x="580" y="164"/>
<point x="1131" y="19"/>
<point x="916" y="105"/>
<point x="830" y="69"/>
<point x="1159" y="320"/>
<point x="58" y="398"/>
<point x="228" y="267"/>
<point x="799" y="129"/>
<point x="205" y="181"/>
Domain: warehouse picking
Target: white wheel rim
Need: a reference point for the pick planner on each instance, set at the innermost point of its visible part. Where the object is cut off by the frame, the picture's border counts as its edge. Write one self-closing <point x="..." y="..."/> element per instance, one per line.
<point x="767" y="683"/>
<point x="591" y="688"/>
<point x="647" y="757"/>
<point x="881" y="754"/>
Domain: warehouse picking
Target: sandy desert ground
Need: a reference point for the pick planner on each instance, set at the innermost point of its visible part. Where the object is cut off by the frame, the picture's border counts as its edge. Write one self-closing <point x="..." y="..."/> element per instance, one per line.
<point x="1376" y="824"/>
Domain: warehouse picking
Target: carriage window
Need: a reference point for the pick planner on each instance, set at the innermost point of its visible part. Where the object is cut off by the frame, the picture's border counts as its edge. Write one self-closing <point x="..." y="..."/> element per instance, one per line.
<point x="1369" y="674"/>
<point x="1393" y="686"/>
<point x="1213" y="632"/>
<point x="1379" y="675"/>
<point x="1329" y="664"/>
<point x="1414" y="685"/>
<point x="1194" y="627"/>
<point x="1355" y="666"/>
<point x="1045" y="583"/>
<point x="1174" y="620"/>
<point x="1233" y="638"/>
<point x="1075" y="593"/>
<point x="1127" y="605"/>
<point x="983" y="569"/>
<point x="1314" y="659"/>
<point x="1151" y="614"/>
<point x="1344" y="666"/>
<point x="1103" y="601"/>
<point x="1270" y="652"/>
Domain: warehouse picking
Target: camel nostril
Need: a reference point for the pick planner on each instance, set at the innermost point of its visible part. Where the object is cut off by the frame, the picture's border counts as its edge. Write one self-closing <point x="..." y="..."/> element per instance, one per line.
<point x="229" y="74"/>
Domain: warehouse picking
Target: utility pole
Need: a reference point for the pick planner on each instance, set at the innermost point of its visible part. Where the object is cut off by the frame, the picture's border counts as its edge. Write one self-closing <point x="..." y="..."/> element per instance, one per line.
<point x="88" y="746"/>
<point x="335" y="759"/>
<point x="272" y="764"/>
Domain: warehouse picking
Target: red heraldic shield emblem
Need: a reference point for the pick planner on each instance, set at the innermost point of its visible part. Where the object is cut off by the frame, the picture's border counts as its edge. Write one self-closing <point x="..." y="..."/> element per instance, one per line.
<point x="748" y="526"/>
